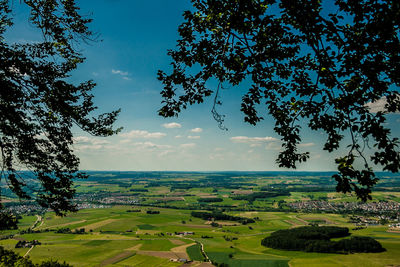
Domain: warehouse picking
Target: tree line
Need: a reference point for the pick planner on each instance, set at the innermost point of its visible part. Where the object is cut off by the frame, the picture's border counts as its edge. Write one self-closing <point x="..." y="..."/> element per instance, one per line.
<point x="221" y="216"/>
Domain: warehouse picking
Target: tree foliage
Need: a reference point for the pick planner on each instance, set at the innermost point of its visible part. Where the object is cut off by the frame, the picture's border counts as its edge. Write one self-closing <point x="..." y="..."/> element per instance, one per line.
<point x="217" y="215"/>
<point x="317" y="239"/>
<point x="319" y="63"/>
<point x="39" y="106"/>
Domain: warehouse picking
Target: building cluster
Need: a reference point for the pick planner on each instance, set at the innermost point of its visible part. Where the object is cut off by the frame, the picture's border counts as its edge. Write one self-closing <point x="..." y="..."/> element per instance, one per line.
<point x="106" y="199"/>
<point x="184" y="233"/>
<point x="25" y="209"/>
<point x="27" y="244"/>
<point x="319" y="205"/>
<point x="120" y="200"/>
<point x="395" y="225"/>
<point x="364" y="221"/>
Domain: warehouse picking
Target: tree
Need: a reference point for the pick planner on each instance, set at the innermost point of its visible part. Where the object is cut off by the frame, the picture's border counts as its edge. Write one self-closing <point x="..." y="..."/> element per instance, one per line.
<point x="39" y="107"/>
<point x="319" y="63"/>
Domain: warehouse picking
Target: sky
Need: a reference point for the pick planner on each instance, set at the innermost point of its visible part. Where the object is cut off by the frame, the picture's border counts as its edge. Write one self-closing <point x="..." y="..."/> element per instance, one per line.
<point x="134" y="37"/>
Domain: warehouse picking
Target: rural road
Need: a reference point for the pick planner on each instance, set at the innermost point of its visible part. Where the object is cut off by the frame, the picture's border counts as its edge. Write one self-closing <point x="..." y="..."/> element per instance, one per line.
<point x="35" y="224"/>
<point x="26" y="254"/>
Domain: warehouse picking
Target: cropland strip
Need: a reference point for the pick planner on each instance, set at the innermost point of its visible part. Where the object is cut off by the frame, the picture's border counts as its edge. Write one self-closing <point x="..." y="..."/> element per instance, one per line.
<point x="160" y="254"/>
<point x="307" y="219"/>
<point x="174" y="253"/>
<point x="181" y="250"/>
<point x="64" y="224"/>
<point x="143" y="232"/>
<point x="137" y="247"/>
<point x="177" y="242"/>
<point x="197" y="264"/>
<point x="198" y="225"/>
<point x="96" y="225"/>
<point x="293" y="223"/>
<point x="122" y="256"/>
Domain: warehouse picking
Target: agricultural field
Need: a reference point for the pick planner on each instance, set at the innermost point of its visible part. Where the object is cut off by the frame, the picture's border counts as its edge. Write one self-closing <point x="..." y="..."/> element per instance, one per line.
<point x="115" y="237"/>
<point x="147" y="219"/>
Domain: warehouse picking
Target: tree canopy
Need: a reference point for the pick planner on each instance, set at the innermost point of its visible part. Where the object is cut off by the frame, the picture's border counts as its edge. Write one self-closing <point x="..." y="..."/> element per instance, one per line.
<point x="39" y="107"/>
<point x="317" y="239"/>
<point x="309" y="62"/>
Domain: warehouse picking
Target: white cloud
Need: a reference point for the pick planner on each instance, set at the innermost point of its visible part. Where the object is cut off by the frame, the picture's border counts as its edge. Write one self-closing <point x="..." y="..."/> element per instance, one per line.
<point x="378" y="105"/>
<point x="151" y="145"/>
<point x="172" y="125"/>
<point x="142" y="134"/>
<point x="217" y="156"/>
<point x="315" y="156"/>
<point x="219" y="149"/>
<point x="273" y="146"/>
<point x="255" y="145"/>
<point x="246" y="139"/>
<point x="120" y="72"/>
<point x="178" y="136"/>
<point x="189" y="145"/>
<point x="89" y="143"/>
<point x="306" y="145"/>
<point x="95" y="73"/>
<point x="193" y="137"/>
<point x="89" y="140"/>
<point x="125" y="75"/>
<point x="166" y="152"/>
<point x="89" y="147"/>
<point x="196" y="130"/>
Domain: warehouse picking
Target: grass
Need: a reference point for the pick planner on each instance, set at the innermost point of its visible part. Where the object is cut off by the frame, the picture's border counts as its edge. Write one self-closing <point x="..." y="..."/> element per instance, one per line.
<point x="194" y="252"/>
<point x="91" y="249"/>
<point x="157" y="245"/>
<point x="146" y="227"/>
<point x="145" y="261"/>
<point x="223" y="257"/>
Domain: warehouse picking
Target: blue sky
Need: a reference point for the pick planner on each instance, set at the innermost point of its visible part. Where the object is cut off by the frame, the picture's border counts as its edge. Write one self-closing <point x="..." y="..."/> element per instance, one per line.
<point x="135" y="36"/>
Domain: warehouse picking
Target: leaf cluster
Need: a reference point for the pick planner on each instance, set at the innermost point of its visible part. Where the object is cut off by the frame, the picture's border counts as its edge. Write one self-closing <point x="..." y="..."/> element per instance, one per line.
<point x="39" y="106"/>
<point x="306" y="65"/>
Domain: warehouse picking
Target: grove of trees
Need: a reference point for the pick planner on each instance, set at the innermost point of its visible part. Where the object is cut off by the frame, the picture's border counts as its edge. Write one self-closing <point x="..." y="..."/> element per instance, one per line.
<point x="317" y="239"/>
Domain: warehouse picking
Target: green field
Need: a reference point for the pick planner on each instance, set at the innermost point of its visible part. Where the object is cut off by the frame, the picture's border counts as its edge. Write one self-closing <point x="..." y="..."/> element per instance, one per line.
<point x="119" y="231"/>
<point x="153" y="240"/>
<point x="194" y="252"/>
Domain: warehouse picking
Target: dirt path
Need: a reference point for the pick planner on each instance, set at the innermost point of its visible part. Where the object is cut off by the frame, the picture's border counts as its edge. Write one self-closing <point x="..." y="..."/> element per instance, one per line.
<point x="29" y="250"/>
<point x="38" y="220"/>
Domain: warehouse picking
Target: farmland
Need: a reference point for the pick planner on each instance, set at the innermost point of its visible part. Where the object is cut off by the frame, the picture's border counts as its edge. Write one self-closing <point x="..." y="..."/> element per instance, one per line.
<point x="155" y="227"/>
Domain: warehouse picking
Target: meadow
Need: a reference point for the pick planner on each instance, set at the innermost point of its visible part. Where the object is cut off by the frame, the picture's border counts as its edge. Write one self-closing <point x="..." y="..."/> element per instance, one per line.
<point x="140" y="219"/>
<point x="116" y="237"/>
